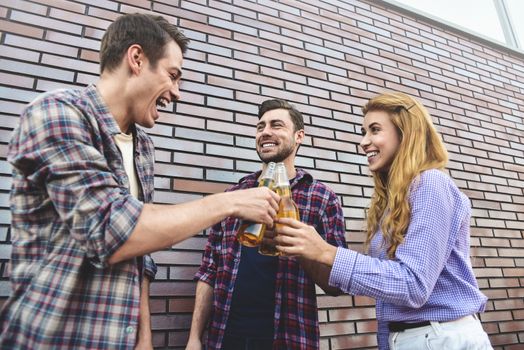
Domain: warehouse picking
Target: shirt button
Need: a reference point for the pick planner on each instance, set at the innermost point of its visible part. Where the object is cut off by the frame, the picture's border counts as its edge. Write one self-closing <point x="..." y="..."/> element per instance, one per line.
<point x="130" y="329"/>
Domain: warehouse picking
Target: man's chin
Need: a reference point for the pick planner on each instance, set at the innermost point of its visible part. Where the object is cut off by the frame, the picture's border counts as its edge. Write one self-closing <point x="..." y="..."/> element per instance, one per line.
<point x="267" y="159"/>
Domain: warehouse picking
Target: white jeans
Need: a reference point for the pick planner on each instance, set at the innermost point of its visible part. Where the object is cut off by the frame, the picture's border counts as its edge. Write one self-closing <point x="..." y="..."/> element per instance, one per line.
<point x="463" y="334"/>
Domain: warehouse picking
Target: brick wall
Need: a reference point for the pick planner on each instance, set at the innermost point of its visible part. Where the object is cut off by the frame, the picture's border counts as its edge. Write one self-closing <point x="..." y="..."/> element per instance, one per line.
<point x="327" y="57"/>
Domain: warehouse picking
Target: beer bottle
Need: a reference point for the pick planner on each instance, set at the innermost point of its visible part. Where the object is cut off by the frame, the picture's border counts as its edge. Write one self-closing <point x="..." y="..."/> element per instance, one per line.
<point x="287" y="208"/>
<point x="250" y="233"/>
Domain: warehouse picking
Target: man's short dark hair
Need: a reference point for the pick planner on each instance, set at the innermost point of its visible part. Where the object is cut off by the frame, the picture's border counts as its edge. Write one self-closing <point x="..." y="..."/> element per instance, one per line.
<point x="296" y="116"/>
<point x="151" y="32"/>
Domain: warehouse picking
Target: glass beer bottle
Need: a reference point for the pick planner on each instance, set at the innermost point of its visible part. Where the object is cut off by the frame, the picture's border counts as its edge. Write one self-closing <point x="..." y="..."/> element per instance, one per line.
<point x="250" y="233"/>
<point x="287" y="208"/>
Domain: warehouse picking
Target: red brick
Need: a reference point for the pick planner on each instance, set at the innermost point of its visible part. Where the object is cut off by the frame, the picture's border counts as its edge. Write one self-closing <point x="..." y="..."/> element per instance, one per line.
<point x="22" y="29"/>
<point x="354" y="342"/>
<point x="204" y="28"/>
<point x="46" y="22"/>
<point x="339" y="328"/>
<point x="282" y="39"/>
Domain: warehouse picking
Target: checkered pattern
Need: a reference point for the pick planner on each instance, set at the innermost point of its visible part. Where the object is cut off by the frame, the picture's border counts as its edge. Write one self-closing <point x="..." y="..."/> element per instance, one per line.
<point x="296" y="319"/>
<point x="431" y="278"/>
<point x="71" y="210"/>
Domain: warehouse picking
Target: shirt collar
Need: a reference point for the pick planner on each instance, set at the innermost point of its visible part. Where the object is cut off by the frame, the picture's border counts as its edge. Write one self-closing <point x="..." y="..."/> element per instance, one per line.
<point x="251" y="179"/>
<point x="102" y="111"/>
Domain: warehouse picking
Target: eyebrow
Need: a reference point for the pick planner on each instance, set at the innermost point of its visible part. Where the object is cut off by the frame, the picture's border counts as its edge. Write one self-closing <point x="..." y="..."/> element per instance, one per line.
<point x="271" y="122"/>
<point x="362" y="129"/>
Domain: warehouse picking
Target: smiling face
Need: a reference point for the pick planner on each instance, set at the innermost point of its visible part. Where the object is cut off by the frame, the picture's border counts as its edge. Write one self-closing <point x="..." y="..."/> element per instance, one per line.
<point x="156" y="86"/>
<point x="276" y="138"/>
<point x="380" y="141"/>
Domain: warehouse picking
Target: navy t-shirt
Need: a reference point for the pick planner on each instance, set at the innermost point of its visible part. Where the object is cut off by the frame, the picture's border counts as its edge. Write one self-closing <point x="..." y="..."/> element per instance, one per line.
<point x="252" y="311"/>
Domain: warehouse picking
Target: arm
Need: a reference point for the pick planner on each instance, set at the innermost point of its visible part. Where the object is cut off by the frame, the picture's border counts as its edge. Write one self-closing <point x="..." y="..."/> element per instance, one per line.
<point x="144" y="327"/>
<point x="298" y="239"/>
<point x="410" y="278"/>
<point x="66" y="161"/>
<point x="201" y="313"/>
<point x="161" y="226"/>
<point x="319" y="273"/>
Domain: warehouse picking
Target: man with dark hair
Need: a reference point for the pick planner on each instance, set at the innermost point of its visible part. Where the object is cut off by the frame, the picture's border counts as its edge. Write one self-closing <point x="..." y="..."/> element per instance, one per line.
<point x="82" y="219"/>
<point x="261" y="302"/>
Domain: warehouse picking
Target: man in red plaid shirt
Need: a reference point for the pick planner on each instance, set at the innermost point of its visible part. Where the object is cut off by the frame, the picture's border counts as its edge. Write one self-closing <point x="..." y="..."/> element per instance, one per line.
<point x="261" y="302"/>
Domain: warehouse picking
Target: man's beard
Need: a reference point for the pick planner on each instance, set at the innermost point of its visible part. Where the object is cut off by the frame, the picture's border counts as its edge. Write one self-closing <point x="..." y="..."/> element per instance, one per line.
<point x="279" y="157"/>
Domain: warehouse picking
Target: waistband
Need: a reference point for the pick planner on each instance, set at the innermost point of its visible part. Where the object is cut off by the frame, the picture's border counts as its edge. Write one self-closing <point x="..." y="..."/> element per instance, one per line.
<point x="402" y="326"/>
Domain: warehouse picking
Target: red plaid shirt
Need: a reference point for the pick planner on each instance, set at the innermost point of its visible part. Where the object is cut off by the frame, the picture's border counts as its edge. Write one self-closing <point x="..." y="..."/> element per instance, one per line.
<point x="296" y="315"/>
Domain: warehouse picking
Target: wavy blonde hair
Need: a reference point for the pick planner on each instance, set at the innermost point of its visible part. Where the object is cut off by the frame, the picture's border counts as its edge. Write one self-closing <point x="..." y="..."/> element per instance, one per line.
<point x="420" y="149"/>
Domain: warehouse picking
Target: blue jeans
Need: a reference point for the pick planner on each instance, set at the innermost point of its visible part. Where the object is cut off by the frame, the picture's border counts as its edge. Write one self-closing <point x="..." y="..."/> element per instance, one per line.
<point x="465" y="333"/>
<point x="241" y="343"/>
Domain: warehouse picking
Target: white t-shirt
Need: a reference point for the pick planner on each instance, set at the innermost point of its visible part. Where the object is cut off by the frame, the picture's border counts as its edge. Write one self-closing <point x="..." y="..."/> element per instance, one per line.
<point x="125" y="143"/>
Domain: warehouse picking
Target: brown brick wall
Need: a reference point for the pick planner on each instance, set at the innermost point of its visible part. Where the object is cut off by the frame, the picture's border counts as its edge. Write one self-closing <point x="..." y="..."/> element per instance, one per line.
<point x="327" y="57"/>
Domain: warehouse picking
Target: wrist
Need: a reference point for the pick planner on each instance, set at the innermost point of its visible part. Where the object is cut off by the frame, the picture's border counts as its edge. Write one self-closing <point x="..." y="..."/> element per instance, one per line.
<point x="227" y="203"/>
<point x="327" y="257"/>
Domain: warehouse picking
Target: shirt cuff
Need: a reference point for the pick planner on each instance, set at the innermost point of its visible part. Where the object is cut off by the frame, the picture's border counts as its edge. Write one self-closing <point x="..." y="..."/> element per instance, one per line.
<point x="206" y="276"/>
<point x="342" y="269"/>
<point x="149" y="267"/>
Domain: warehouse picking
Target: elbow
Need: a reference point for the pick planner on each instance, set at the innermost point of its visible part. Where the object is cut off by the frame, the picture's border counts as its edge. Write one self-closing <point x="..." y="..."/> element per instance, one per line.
<point x="418" y="297"/>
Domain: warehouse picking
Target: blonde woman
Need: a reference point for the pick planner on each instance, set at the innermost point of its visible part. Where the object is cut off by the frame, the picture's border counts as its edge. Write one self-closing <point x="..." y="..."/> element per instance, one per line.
<point x="417" y="267"/>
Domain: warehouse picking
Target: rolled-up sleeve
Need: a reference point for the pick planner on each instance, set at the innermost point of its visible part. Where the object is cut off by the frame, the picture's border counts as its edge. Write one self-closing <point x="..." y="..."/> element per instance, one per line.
<point x="208" y="267"/>
<point x="149" y="267"/>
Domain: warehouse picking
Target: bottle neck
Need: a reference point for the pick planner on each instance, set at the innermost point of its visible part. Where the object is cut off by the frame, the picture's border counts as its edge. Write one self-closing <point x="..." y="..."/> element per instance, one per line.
<point x="290" y="169"/>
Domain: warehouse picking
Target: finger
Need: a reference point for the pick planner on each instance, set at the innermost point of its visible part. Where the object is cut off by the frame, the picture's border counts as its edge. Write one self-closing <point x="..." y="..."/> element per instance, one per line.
<point x="290" y="222"/>
<point x="273" y="212"/>
<point x="286" y="241"/>
<point x="287" y="230"/>
<point x="285" y="251"/>
<point x="275" y="196"/>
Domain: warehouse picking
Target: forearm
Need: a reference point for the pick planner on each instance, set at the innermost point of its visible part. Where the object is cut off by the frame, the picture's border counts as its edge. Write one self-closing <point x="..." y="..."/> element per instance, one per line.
<point x="320" y="270"/>
<point x="144" y="328"/>
<point x="161" y="226"/>
<point x="202" y="311"/>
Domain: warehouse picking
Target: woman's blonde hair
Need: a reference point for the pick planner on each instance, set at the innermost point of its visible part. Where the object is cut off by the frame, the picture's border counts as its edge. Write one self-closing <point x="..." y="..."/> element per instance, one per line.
<point x="420" y="149"/>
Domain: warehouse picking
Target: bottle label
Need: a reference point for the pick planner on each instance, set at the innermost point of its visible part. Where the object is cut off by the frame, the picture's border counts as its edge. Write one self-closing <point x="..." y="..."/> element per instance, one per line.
<point x="254" y="229"/>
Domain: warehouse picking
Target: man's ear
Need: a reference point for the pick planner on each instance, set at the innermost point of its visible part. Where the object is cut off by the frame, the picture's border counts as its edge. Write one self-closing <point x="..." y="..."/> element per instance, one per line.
<point x="299" y="136"/>
<point x="135" y="58"/>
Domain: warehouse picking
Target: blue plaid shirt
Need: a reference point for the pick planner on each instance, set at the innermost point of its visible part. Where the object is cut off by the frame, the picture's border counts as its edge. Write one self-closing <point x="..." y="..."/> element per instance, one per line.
<point x="296" y="313"/>
<point x="431" y="278"/>
<point x="71" y="210"/>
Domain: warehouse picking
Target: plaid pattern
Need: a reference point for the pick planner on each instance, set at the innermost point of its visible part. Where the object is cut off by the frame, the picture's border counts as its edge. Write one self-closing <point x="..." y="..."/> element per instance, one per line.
<point x="71" y="210"/>
<point x="296" y="318"/>
<point x="431" y="278"/>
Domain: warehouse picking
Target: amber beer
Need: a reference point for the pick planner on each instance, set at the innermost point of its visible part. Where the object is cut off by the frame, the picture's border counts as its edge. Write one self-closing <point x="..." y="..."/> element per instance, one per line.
<point x="287" y="208"/>
<point x="250" y="233"/>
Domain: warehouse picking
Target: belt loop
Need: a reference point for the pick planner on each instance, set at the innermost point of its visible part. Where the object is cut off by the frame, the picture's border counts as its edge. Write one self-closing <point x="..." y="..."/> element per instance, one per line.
<point x="392" y="339"/>
<point x="435" y="325"/>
